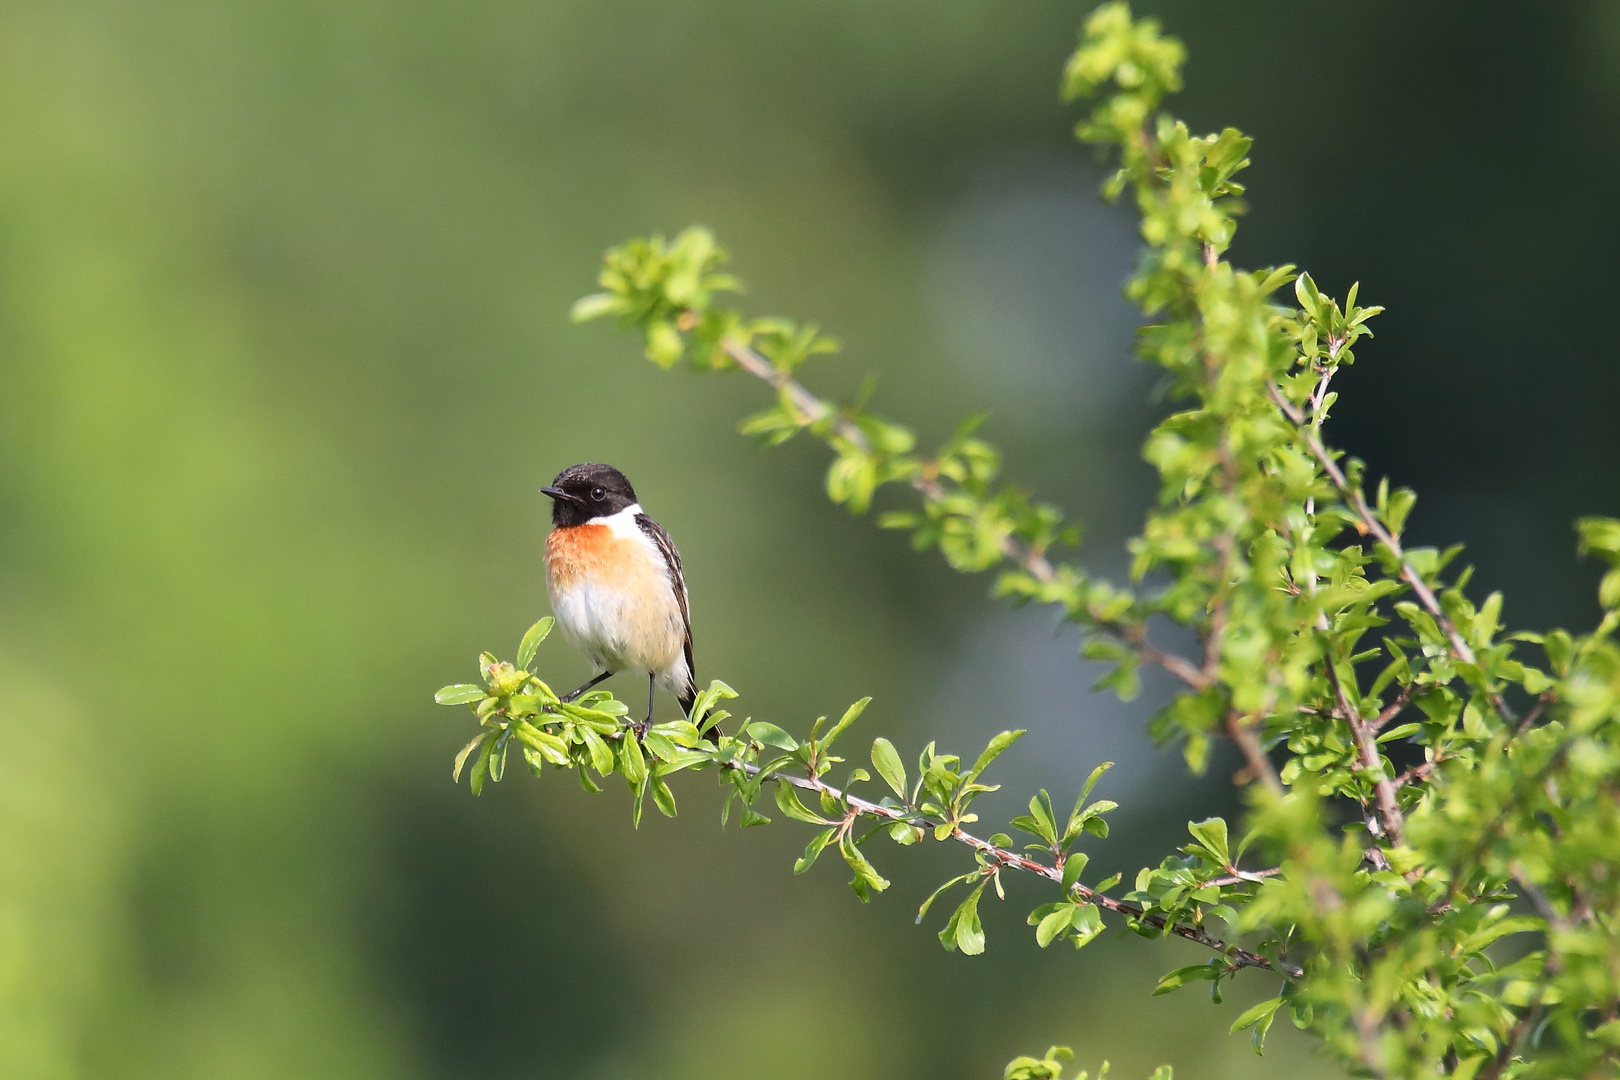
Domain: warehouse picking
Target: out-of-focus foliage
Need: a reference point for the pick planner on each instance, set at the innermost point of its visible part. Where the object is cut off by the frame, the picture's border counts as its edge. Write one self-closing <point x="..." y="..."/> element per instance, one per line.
<point x="1325" y="643"/>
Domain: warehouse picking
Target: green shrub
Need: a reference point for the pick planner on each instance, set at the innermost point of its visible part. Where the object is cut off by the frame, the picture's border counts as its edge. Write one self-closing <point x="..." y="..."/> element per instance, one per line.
<point x="1376" y="896"/>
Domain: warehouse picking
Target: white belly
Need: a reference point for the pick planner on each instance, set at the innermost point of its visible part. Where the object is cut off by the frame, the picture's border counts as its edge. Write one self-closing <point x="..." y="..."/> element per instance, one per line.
<point x="621" y="631"/>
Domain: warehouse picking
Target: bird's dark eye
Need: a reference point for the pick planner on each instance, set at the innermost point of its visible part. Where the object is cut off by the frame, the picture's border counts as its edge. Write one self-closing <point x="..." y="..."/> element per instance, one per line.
<point x="598" y="493"/>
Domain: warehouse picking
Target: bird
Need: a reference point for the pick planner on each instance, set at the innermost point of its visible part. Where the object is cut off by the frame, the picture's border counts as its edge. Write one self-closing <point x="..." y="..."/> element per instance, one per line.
<point x="616" y="585"/>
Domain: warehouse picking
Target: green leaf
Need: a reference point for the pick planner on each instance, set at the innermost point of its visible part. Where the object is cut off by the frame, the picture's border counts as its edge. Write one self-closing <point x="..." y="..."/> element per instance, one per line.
<point x="771" y="735"/>
<point x="1091" y="782"/>
<point x="663" y="797"/>
<point x="527" y="705"/>
<point x="1087" y="923"/>
<point x="705" y="701"/>
<point x="531" y="642"/>
<point x="595" y="306"/>
<point x="474" y="743"/>
<point x="889" y="766"/>
<point x="601" y="716"/>
<point x="1560" y="648"/>
<point x="546" y="744"/>
<point x="866" y="880"/>
<point x="638" y="797"/>
<point x="1518" y="925"/>
<point x="1259" y="1017"/>
<point x="1101" y="806"/>
<point x="997" y="746"/>
<point x="460" y="694"/>
<point x="1212" y="835"/>
<point x="1305" y="292"/>
<point x="1088" y="819"/>
<point x="1050" y="1067"/>
<point x="1054" y="924"/>
<point x="497" y="756"/>
<point x="1400" y="505"/>
<point x="481" y="767"/>
<point x="1599" y="536"/>
<point x="659" y="746"/>
<point x="682" y="732"/>
<point x="632" y="763"/>
<point x="750" y="818"/>
<point x="1039" y="821"/>
<point x="903" y="834"/>
<point x="1254" y="1015"/>
<point x="684" y="759"/>
<point x="1535" y="681"/>
<point x="965" y="931"/>
<point x="601" y="753"/>
<point x="788" y="800"/>
<point x="1181" y="976"/>
<point x="849" y="717"/>
<point x="928" y="903"/>
<point x="813" y="849"/>
<point x="1073" y="867"/>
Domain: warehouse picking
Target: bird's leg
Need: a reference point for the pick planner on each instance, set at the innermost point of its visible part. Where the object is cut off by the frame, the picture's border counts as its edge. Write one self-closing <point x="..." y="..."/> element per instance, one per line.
<point x="652" y="685"/>
<point x="572" y="694"/>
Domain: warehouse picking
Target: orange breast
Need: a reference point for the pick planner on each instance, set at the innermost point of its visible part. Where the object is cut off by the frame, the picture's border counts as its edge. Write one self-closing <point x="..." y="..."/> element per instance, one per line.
<point x="593" y="553"/>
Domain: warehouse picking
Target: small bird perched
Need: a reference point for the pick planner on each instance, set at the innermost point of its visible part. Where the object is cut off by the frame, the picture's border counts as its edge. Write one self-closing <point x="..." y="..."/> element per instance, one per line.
<point x="615" y="584"/>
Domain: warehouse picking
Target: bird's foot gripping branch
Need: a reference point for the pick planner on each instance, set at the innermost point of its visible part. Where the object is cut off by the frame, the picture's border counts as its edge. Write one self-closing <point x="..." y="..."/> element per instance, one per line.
<point x="1439" y="798"/>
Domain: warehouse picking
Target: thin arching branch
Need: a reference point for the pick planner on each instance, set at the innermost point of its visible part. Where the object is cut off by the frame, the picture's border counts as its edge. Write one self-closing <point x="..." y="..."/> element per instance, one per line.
<point x="1008" y="858"/>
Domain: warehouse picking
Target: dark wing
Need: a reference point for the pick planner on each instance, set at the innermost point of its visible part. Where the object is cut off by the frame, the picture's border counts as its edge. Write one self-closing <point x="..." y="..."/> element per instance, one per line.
<point x="677" y="580"/>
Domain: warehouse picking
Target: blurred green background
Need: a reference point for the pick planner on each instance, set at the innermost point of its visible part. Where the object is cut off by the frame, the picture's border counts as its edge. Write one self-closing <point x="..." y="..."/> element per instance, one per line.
<point x="283" y="296"/>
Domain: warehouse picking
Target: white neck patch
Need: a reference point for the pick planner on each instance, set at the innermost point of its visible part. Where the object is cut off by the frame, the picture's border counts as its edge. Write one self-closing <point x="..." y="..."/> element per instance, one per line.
<point x="623" y="523"/>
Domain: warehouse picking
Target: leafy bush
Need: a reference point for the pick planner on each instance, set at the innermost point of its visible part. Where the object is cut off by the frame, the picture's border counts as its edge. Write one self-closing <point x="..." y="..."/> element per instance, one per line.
<point x="1431" y="860"/>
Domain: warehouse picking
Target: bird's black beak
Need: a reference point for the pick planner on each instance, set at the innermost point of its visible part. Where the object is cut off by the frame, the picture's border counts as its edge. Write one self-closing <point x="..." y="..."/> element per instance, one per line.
<point x="559" y="493"/>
